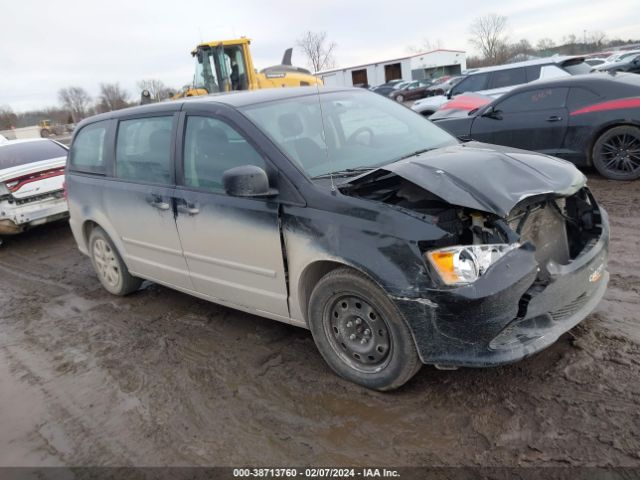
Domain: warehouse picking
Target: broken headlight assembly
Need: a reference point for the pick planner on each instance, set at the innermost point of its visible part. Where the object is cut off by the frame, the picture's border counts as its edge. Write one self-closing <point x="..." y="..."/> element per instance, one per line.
<point x="464" y="264"/>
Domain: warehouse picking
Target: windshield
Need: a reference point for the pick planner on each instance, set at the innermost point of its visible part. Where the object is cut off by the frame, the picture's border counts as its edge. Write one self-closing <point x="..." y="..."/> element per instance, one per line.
<point x="356" y="130"/>
<point x="16" y="154"/>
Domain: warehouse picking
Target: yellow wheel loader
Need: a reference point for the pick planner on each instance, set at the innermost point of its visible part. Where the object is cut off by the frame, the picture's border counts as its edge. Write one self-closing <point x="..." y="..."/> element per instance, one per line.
<point x="227" y="65"/>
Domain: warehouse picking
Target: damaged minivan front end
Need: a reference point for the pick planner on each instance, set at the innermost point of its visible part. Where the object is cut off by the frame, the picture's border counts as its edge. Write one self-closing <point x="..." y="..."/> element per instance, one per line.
<point x="521" y="257"/>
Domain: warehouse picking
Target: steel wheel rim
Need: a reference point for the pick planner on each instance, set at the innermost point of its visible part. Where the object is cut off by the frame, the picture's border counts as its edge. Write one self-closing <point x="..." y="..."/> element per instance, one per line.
<point x="106" y="263"/>
<point x="357" y="333"/>
<point x="621" y="154"/>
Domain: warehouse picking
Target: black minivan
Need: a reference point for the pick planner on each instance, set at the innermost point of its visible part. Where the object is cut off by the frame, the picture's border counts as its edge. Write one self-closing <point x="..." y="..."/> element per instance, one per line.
<point x="345" y="213"/>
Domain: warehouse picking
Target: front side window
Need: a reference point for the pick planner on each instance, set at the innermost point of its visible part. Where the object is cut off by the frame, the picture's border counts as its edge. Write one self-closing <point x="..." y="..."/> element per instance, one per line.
<point x="87" y="152"/>
<point x="473" y="83"/>
<point x="143" y="150"/>
<point x="212" y="147"/>
<point x="345" y="130"/>
<point x="542" y="99"/>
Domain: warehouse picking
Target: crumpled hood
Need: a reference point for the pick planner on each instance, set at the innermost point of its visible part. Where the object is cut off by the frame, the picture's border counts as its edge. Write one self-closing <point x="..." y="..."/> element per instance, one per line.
<point x="485" y="177"/>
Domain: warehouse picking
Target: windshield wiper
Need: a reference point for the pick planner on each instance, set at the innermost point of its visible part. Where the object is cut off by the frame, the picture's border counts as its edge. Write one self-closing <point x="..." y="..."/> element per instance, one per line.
<point x="347" y="172"/>
<point x="412" y="154"/>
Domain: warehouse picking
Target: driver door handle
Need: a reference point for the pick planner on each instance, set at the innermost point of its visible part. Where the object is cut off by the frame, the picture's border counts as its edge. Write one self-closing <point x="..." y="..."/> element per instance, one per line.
<point x="554" y="118"/>
<point x="156" y="201"/>
<point x="188" y="208"/>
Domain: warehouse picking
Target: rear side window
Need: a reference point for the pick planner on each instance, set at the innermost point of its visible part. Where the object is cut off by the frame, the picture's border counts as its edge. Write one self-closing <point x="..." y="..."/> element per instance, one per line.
<point x="143" y="150"/>
<point x="88" y="149"/>
<point x="212" y="147"/>
<point x="533" y="72"/>
<point x="507" y="78"/>
<point x="541" y="99"/>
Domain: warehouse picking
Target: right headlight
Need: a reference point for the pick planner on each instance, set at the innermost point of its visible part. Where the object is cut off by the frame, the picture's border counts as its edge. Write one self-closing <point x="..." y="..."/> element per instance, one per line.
<point x="464" y="264"/>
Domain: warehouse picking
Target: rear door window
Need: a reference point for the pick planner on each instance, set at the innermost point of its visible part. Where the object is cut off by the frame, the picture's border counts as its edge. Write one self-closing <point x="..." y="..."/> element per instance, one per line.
<point x="507" y="78"/>
<point x="88" y="149"/>
<point x="541" y="99"/>
<point x="143" y="150"/>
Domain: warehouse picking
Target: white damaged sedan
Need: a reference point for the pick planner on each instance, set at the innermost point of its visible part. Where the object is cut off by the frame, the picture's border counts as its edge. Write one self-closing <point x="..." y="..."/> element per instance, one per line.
<point x="31" y="184"/>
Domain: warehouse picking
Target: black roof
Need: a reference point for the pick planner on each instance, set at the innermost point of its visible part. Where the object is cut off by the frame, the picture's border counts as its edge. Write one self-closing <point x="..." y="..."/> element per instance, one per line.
<point x="233" y="99"/>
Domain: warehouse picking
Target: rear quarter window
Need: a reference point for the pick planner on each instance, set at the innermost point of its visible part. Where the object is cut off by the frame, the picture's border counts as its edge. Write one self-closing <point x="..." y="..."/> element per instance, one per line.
<point x="88" y="149"/>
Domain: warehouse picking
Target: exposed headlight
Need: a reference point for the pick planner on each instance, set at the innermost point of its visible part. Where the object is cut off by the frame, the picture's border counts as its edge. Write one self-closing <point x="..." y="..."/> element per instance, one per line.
<point x="465" y="264"/>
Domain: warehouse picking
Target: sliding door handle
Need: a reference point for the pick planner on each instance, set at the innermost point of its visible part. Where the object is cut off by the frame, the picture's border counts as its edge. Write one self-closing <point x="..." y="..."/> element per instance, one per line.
<point x="188" y="208"/>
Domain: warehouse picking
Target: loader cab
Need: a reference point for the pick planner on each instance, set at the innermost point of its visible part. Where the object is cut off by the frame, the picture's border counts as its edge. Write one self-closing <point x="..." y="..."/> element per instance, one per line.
<point x="221" y="67"/>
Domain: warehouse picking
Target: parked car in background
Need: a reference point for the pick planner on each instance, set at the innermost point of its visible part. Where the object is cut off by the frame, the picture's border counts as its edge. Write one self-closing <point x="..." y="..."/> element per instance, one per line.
<point x="586" y="119"/>
<point x="441" y="88"/>
<point x="31" y="184"/>
<point x="495" y="81"/>
<point x="629" y="63"/>
<point x="393" y="243"/>
<point x="594" y="62"/>
<point x="411" y="91"/>
<point x="386" y="89"/>
<point x="622" y="55"/>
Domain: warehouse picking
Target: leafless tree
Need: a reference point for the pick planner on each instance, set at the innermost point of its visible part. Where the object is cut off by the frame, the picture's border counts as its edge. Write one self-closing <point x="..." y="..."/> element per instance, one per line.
<point x="8" y="119"/>
<point x="112" y="97"/>
<point x="545" y="44"/>
<point x="489" y="35"/>
<point x="76" y="100"/>
<point x="157" y="89"/>
<point x="597" y="38"/>
<point x="318" y="50"/>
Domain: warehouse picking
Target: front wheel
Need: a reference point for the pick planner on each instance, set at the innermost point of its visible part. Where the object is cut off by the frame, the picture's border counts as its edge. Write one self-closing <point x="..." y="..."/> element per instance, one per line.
<point x="616" y="153"/>
<point x="111" y="270"/>
<point x="360" y="333"/>
<point x="400" y="98"/>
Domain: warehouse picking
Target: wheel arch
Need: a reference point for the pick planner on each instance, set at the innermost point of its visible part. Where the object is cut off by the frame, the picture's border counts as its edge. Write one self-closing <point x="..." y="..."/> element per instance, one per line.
<point x="602" y="129"/>
<point x="312" y="274"/>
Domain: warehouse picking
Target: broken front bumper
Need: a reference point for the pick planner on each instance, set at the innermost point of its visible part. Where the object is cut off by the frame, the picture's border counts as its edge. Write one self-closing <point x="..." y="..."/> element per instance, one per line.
<point x="15" y="218"/>
<point x="505" y="315"/>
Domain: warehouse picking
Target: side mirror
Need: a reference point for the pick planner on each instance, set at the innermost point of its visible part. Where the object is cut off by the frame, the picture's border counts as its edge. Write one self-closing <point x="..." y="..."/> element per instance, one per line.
<point x="247" y="181"/>
<point x="492" y="113"/>
<point x="449" y="93"/>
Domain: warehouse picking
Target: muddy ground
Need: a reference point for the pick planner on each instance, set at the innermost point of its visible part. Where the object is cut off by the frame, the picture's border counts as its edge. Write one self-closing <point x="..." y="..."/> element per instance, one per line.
<point x="162" y="378"/>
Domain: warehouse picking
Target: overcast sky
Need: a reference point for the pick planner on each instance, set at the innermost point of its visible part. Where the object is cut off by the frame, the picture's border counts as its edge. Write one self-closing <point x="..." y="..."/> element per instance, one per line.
<point x="45" y="46"/>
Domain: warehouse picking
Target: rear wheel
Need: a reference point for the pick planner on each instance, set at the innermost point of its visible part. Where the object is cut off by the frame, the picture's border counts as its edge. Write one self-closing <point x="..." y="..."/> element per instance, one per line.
<point x="400" y="98"/>
<point x="111" y="270"/>
<point x="616" y="153"/>
<point x="360" y="333"/>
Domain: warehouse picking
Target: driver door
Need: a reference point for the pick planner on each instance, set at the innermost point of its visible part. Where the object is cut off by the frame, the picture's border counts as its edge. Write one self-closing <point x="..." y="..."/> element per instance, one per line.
<point x="232" y="245"/>
<point x="532" y="120"/>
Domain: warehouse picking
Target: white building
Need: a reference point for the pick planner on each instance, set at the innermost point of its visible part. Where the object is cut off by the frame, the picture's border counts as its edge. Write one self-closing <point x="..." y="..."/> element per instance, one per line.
<point x="414" y="67"/>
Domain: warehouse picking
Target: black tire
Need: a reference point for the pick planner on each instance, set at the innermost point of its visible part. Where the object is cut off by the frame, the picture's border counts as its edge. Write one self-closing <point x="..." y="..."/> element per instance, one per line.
<point x="107" y="262"/>
<point x="399" y="98"/>
<point x="360" y="333"/>
<point x="616" y="153"/>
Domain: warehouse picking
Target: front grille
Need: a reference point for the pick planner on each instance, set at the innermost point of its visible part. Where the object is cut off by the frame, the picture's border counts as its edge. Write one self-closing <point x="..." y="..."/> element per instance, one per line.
<point x="567" y="310"/>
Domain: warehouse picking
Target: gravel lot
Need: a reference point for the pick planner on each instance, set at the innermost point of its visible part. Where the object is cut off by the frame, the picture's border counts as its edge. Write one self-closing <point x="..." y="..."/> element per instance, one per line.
<point x="162" y="378"/>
